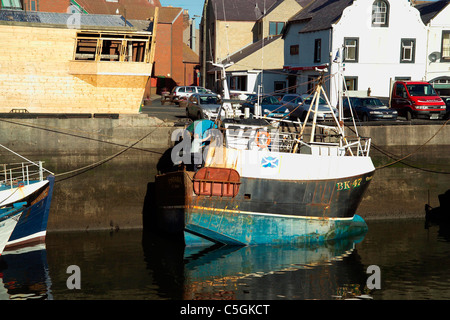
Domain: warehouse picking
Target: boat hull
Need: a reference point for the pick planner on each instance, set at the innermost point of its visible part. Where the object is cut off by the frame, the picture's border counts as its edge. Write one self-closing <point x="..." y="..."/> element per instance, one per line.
<point x="264" y="211"/>
<point x="7" y="226"/>
<point x="32" y="225"/>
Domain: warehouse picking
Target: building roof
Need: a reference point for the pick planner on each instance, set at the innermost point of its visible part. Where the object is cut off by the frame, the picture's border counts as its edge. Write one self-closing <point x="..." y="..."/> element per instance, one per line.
<point x="135" y="9"/>
<point x="167" y="14"/>
<point x="430" y="9"/>
<point x="245" y="10"/>
<point x="189" y="56"/>
<point x="63" y="19"/>
<point x="320" y="14"/>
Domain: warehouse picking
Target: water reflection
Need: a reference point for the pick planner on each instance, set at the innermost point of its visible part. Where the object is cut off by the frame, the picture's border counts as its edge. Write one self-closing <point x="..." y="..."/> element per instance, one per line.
<point x="257" y="272"/>
<point x="24" y="274"/>
<point x="131" y="265"/>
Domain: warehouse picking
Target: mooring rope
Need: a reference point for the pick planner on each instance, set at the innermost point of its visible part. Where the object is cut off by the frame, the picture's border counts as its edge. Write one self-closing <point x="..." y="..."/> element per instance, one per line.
<point x="89" y="167"/>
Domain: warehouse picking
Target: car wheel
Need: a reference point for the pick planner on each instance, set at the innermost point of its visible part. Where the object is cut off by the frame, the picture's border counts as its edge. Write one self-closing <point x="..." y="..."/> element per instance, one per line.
<point x="408" y="115"/>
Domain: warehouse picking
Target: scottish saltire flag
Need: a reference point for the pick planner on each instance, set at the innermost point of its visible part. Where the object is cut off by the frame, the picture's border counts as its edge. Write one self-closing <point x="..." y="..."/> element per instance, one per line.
<point x="270" y="162"/>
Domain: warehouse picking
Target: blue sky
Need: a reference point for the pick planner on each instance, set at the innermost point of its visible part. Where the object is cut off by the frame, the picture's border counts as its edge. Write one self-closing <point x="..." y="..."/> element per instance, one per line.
<point x="195" y="7"/>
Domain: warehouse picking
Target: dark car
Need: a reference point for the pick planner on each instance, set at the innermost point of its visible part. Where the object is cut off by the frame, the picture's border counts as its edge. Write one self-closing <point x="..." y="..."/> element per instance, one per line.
<point x="368" y="109"/>
<point x="294" y="103"/>
<point x="270" y="106"/>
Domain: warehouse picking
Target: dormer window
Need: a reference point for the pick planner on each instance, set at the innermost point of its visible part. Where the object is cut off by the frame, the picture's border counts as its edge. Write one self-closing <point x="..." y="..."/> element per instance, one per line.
<point x="380" y="14"/>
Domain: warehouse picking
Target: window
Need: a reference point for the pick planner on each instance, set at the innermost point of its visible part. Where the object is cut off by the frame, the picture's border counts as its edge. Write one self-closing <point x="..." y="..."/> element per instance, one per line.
<point x="317" y="50"/>
<point x="351" y="49"/>
<point x="407" y="53"/>
<point x="351" y="83"/>
<point x="11" y="4"/>
<point x="238" y="83"/>
<point x="294" y="50"/>
<point x="400" y="90"/>
<point x="445" y="50"/>
<point x="279" y="86"/>
<point x="380" y="14"/>
<point x="275" y="28"/>
<point x="112" y="47"/>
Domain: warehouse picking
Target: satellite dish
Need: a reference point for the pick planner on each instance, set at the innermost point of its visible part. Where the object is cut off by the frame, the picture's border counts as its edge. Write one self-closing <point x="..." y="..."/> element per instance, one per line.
<point x="433" y="56"/>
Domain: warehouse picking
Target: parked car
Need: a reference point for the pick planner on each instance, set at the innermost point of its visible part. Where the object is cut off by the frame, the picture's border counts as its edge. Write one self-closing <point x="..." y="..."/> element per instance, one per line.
<point x="294" y="103"/>
<point x="368" y="109"/>
<point x="323" y="110"/>
<point x="270" y="106"/>
<point x="203" y="106"/>
<point x="184" y="92"/>
<point x="417" y="99"/>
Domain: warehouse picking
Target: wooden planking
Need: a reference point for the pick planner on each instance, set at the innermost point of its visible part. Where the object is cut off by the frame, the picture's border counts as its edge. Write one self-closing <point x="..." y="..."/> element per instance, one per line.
<point x="35" y="74"/>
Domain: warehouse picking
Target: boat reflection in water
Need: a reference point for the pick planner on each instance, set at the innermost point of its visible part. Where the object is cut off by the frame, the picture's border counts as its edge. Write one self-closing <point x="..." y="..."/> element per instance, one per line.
<point x="24" y="274"/>
<point x="325" y="270"/>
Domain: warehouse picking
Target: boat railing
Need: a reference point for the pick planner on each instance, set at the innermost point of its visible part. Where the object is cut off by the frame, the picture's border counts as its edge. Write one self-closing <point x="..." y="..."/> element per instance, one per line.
<point x="16" y="174"/>
<point x="248" y="137"/>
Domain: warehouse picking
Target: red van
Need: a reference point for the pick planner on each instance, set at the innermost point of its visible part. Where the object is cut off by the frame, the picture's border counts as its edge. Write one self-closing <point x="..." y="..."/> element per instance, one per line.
<point x="417" y="99"/>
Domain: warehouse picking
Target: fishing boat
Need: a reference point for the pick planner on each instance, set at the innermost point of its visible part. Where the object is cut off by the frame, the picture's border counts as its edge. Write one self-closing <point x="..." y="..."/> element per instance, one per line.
<point x="31" y="184"/>
<point x="261" y="184"/>
<point x="8" y="221"/>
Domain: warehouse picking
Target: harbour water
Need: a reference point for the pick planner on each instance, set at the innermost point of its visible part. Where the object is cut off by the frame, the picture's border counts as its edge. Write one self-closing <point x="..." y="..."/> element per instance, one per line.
<point x="129" y="265"/>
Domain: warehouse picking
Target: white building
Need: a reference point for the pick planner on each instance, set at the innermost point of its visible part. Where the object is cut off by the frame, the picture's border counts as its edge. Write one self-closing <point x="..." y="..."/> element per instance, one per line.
<point x="436" y="16"/>
<point x="379" y="41"/>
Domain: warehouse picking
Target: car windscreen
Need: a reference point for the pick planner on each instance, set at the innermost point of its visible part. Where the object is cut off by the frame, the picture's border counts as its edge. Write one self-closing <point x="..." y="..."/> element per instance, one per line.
<point x="208" y="100"/>
<point x="270" y="100"/>
<point x="309" y="100"/>
<point x="371" y="102"/>
<point x="421" y="90"/>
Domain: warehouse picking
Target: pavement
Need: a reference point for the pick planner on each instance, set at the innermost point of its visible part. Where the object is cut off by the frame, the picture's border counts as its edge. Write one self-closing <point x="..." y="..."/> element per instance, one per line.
<point x="167" y="112"/>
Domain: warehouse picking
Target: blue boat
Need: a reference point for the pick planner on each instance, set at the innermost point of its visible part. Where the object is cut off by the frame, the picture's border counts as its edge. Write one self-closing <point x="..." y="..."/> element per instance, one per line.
<point x="260" y="183"/>
<point x="26" y="183"/>
<point x="32" y="225"/>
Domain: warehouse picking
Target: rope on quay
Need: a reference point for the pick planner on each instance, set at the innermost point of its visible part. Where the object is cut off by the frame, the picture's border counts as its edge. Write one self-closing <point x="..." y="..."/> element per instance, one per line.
<point x="410" y="154"/>
<point x="89" y="167"/>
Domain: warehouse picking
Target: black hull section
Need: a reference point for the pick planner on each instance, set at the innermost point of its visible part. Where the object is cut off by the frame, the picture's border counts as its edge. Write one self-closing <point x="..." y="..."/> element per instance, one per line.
<point x="320" y="198"/>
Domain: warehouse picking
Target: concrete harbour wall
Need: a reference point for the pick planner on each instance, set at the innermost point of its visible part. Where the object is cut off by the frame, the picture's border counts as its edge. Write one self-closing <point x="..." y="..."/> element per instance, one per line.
<point x="106" y="180"/>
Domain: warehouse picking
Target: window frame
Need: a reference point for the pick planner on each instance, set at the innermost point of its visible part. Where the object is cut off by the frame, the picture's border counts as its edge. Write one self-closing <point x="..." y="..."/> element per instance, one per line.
<point x="356" y="59"/>
<point x="317" y="50"/>
<point x="294" y="50"/>
<point x="447" y="47"/>
<point x="403" y="58"/>
<point x="279" y="25"/>
<point x="376" y="14"/>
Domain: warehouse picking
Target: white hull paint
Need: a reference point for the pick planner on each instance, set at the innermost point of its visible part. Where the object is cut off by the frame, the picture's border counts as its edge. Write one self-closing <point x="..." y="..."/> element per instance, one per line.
<point x="6" y="228"/>
<point x="15" y="194"/>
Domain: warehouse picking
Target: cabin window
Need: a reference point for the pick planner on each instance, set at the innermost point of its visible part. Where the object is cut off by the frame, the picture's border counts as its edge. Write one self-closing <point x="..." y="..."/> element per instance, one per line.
<point x="380" y="14"/>
<point x="445" y="51"/>
<point x="351" y="49"/>
<point x="11" y="4"/>
<point x="112" y="47"/>
<point x="407" y="50"/>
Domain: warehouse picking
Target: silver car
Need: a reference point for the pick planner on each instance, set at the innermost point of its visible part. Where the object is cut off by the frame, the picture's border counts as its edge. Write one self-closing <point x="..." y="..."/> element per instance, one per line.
<point x="203" y="106"/>
<point x="323" y="110"/>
